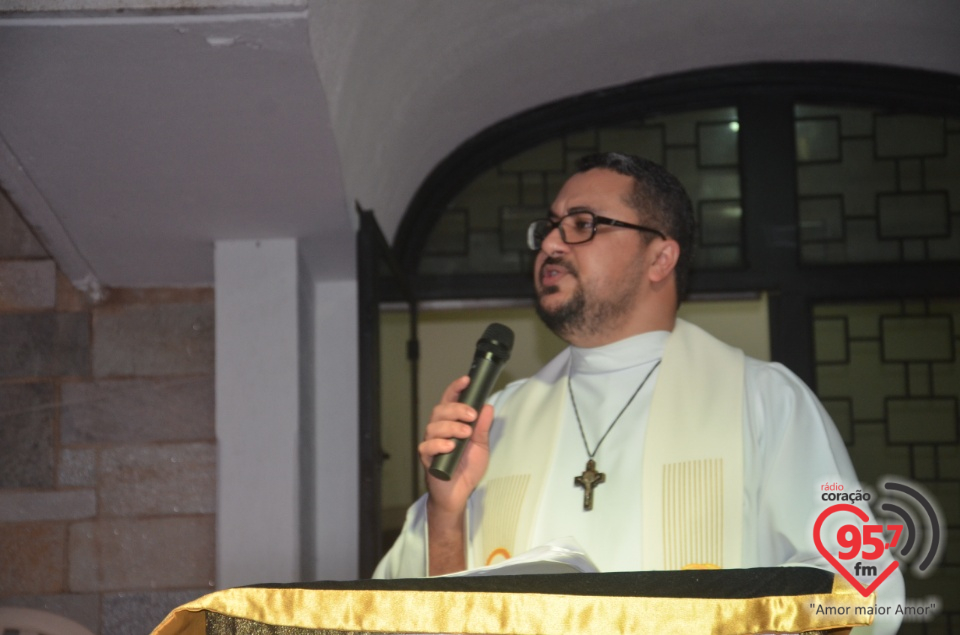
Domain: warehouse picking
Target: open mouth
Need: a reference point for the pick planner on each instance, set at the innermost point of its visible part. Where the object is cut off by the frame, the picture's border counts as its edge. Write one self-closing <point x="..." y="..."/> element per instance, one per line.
<point x="550" y="273"/>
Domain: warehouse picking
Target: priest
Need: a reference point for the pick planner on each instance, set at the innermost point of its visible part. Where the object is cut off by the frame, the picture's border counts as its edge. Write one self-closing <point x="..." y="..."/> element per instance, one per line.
<point x="651" y="443"/>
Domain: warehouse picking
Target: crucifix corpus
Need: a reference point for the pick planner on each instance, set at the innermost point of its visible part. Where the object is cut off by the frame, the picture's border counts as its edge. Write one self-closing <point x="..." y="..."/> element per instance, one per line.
<point x="588" y="480"/>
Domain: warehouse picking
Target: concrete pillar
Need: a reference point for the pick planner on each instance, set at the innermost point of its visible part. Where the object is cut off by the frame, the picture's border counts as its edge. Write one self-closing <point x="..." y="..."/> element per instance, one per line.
<point x="334" y="519"/>
<point x="257" y="412"/>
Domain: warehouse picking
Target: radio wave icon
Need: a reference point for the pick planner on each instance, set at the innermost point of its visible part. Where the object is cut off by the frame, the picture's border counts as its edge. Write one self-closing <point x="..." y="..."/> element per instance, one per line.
<point x="934" y="542"/>
<point x="907" y="522"/>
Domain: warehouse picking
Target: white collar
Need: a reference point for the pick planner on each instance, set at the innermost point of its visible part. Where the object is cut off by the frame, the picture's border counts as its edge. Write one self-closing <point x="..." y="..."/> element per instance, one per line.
<point x="626" y="353"/>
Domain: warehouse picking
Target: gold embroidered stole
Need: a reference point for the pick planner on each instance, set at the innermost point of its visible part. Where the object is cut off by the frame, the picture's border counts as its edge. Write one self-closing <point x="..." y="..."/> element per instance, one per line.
<point x="693" y="455"/>
<point x="693" y="460"/>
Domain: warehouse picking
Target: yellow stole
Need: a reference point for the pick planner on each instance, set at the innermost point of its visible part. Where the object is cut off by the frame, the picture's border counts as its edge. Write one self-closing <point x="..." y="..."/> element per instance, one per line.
<point x="692" y="460"/>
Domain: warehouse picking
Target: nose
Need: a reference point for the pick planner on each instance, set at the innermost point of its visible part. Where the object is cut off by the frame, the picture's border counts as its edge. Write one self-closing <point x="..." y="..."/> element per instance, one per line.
<point x="552" y="243"/>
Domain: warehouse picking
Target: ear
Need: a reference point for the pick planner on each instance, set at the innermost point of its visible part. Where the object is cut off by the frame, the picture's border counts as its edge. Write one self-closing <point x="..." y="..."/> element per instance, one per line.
<point x="665" y="256"/>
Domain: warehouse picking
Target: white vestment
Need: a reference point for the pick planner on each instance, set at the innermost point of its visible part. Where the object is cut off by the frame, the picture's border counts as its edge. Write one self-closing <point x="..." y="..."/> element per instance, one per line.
<point x="790" y="449"/>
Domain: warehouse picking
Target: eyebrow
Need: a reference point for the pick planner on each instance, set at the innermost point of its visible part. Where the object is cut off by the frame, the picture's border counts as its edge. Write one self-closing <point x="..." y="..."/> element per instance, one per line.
<point x="573" y="210"/>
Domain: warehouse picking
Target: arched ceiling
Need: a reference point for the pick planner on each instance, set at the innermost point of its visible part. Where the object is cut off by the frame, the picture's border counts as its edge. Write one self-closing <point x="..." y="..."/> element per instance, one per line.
<point x="408" y="82"/>
<point x="134" y="133"/>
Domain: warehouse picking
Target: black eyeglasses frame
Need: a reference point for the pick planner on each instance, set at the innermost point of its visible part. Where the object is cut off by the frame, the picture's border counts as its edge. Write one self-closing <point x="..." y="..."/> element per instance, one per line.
<point x="549" y="225"/>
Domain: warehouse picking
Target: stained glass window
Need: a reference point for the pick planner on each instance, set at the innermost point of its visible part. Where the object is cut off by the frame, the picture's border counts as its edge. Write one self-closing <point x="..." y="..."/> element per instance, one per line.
<point x="877" y="187"/>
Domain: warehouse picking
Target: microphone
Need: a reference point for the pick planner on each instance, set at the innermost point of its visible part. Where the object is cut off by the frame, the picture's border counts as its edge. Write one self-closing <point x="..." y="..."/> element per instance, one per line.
<point x="493" y="351"/>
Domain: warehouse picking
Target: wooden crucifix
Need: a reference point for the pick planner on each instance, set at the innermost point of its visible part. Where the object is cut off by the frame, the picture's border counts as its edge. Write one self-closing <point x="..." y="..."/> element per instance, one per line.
<point x="588" y="480"/>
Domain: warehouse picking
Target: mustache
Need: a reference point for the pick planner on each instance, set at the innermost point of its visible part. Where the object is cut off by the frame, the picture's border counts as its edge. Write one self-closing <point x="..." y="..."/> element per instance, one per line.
<point x="560" y="262"/>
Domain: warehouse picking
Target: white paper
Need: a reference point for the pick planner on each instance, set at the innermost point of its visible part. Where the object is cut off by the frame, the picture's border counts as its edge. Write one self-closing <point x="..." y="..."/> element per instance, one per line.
<point x="563" y="555"/>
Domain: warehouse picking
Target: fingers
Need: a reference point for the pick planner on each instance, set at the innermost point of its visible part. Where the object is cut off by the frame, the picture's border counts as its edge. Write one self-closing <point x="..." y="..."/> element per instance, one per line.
<point x="447" y="430"/>
<point x="438" y="438"/>
<point x="430" y="449"/>
<point x="455" y="411"/>
<point x="450" y="412"/>
<point x="452" y="393"/>
<point x="450" y="420"/>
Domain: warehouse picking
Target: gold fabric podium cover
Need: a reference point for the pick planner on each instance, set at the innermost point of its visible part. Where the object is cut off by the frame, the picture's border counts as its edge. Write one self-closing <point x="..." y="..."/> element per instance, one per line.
<point x="724" y="602"/>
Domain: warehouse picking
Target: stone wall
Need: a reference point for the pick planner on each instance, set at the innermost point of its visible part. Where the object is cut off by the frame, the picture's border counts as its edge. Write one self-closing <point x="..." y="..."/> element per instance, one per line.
<point x="107" y="446"/>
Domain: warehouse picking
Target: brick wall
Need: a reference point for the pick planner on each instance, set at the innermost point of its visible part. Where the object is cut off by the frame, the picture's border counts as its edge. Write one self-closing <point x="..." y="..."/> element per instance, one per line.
<point x="107" y="452"/>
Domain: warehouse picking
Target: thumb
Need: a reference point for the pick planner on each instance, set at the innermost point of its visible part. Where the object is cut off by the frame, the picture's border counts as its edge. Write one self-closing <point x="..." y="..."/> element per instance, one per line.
<point x="481" y="430"/>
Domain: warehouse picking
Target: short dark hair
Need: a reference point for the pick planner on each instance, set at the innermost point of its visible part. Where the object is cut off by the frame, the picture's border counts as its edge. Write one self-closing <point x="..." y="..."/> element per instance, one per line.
<point x="660" y="200"/>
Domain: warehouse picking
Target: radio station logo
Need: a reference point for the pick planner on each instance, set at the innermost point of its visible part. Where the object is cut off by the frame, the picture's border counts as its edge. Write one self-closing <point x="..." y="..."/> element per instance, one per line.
<point x="865" y="553"/>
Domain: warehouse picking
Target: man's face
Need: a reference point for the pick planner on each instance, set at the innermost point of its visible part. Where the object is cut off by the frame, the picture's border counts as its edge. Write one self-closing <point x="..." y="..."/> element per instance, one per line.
<point x="587" y="290"/>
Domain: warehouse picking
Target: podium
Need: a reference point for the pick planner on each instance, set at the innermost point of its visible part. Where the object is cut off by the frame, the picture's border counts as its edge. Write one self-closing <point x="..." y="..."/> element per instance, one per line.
<point x="724" y="602"/>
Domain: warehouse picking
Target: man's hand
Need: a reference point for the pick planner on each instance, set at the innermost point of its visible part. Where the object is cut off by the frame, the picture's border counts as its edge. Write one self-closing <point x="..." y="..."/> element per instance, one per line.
<point x="448" y="499"/>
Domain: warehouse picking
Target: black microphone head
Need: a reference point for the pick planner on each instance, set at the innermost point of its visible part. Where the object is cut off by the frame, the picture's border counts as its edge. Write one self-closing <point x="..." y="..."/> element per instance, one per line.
<point x="497" y="339"/>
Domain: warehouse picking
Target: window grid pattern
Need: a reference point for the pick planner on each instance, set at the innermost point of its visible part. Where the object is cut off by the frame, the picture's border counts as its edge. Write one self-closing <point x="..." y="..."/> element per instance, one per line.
<point x="889" y="375"/>
<point x="483" y="230"/>
<point x="875" y="187"/>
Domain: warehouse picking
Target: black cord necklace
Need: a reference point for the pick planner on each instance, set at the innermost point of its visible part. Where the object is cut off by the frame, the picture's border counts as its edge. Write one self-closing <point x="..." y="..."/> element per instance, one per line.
<point x="592" y="477"/>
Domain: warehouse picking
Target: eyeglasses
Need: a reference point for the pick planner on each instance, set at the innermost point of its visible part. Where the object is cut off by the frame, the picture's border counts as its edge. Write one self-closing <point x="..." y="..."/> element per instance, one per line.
<point x="576" y="228"/>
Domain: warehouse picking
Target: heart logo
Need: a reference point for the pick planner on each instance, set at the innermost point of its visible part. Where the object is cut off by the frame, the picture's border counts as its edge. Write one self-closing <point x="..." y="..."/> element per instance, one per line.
<point x="862" y="515"/>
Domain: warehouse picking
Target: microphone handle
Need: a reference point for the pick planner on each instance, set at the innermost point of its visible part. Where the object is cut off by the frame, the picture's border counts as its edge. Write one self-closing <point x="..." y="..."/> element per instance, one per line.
<point x="484" y="372"/>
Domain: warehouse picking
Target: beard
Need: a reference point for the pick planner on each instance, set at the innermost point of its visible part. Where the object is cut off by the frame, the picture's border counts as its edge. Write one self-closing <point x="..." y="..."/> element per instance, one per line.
<point x="568" y="317"/>
<point x="580" y="315"/>
<point x="565" y="319"/>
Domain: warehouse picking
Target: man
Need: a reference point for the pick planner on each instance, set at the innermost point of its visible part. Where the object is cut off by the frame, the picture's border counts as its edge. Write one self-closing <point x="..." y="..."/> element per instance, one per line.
<point x="651" y="443"/>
